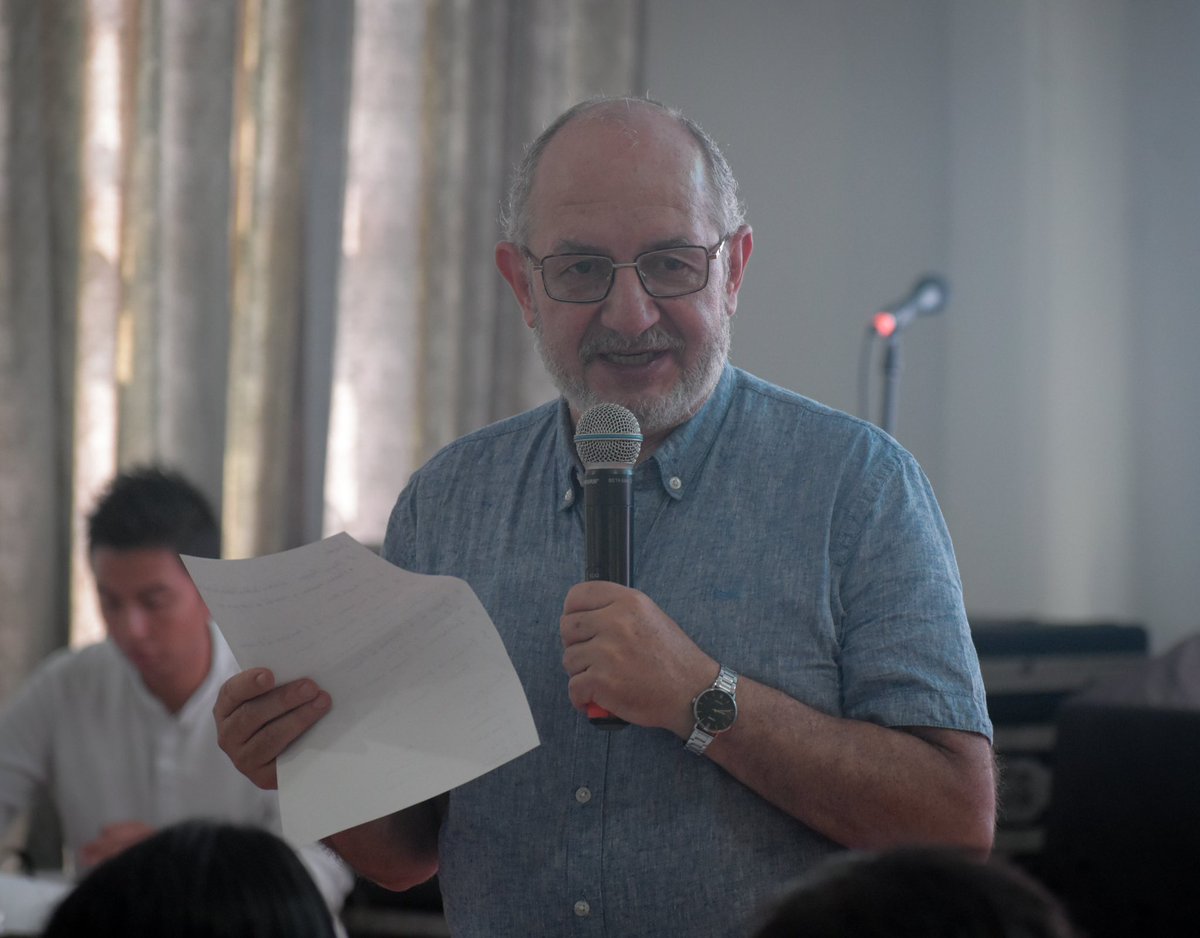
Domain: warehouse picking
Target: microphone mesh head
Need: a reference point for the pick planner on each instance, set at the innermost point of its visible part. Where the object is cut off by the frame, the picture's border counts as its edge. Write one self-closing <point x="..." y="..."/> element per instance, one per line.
<point x="930" y="295"/>
<point x="608" y="435"/>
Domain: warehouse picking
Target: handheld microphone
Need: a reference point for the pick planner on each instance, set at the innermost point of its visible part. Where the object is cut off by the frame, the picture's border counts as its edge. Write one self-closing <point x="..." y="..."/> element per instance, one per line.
<point x="608" y="441"/>
<point x="927" y="297"/>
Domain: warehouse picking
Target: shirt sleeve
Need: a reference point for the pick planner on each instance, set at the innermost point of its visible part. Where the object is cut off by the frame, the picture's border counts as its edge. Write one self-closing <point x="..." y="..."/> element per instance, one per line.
<point x="400" y="537"/>
<point x="26" y="740"/>
<point x="908" y="658"/>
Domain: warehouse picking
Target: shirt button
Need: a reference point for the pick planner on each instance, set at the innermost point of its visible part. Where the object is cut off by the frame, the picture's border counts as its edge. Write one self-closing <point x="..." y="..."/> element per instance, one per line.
<point x="676" y="483"/>
<point x="583" y="794"/>
<point x="582" y="909"/>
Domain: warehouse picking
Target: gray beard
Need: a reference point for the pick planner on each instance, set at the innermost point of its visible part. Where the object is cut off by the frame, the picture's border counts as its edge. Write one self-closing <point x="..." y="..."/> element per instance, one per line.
<point x="655" y="414"/>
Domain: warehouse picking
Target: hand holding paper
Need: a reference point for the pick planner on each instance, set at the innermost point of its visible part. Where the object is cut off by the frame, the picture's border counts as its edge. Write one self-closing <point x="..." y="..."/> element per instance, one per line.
<point x="425" y="697"/>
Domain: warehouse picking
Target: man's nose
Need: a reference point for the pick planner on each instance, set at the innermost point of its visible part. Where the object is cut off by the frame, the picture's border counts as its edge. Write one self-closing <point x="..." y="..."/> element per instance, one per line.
<point x="130" y="622"/>
<point x="628" y="309"/>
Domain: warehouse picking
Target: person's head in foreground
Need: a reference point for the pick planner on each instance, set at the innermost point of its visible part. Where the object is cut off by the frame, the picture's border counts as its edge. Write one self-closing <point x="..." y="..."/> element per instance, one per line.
<point x="915" y="892"/>
<point x="197" y="879"/>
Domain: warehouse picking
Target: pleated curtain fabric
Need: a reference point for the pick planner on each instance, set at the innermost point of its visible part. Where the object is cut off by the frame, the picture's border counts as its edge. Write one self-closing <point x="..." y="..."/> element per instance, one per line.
<point x="34" y="402"/>
<point x="252" y="239"/>
<point x="430" y="344"/>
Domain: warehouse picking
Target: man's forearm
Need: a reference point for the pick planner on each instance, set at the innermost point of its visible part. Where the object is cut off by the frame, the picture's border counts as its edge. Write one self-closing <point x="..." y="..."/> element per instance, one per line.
<point x="398" y="851"/>
<point x="861" y="785"/>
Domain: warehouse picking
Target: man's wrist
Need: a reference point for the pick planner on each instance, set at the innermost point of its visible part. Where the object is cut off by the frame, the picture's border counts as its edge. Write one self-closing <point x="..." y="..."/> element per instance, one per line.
<point x="715" y="710"/>
<point x="686" y="720"/>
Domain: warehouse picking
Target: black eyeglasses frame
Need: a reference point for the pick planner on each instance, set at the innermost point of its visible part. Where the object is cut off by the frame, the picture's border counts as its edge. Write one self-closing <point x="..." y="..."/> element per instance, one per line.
<point x="711" y="254"/>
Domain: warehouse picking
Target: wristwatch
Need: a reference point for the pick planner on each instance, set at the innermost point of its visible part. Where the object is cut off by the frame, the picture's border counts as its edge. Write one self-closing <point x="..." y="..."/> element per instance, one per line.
<point x="715" y="709"/>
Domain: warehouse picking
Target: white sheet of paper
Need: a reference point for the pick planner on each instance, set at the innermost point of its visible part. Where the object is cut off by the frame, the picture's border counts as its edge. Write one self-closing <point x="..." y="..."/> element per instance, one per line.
<point x="425" y="697"/>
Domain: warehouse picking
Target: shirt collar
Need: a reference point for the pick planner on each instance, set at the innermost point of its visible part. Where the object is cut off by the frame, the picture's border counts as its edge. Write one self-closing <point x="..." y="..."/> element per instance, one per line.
<point x="566" y="482"/>
<point x="682" y="455"/>
<point x="677" y="461"/>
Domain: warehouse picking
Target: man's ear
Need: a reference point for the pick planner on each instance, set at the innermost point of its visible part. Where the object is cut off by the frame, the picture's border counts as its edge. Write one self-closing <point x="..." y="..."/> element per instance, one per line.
<point x="511" y="262"/>
<point x="739" y="246"/>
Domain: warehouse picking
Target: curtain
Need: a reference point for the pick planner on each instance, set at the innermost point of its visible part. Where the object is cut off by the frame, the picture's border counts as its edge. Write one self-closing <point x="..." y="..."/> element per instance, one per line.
<point x="252" y="239"/>
<point x="430" y="344"/>
<point x="35" y="348"/>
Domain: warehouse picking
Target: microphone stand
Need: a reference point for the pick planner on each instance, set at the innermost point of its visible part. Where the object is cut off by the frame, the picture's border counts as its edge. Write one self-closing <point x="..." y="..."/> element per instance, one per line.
<point x="891" y="380"/>
<point x="927" y="297"/>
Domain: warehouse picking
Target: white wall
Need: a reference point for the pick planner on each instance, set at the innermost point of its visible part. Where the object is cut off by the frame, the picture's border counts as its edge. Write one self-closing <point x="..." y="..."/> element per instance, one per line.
<point x="1044" y="155"/>
<point x="1164" y="310"/>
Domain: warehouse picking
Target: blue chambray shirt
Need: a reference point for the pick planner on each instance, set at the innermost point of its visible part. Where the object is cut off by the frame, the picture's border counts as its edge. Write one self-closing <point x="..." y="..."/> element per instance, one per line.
<point x="798" y="545"/>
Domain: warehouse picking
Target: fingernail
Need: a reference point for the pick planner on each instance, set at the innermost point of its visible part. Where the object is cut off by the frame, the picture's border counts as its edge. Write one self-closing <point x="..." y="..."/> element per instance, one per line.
<point x="261" y="679"/>
<point x="322" y="702"/>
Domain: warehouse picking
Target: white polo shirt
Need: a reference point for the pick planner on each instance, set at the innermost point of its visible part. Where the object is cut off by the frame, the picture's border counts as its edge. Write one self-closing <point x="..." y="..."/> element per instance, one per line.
<point x="107" y="750"/>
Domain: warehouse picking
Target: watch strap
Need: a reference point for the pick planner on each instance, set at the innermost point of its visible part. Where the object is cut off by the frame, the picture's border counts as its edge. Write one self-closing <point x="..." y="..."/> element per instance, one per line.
<point x="726" y="680"/>
<point x="698" y="741"/>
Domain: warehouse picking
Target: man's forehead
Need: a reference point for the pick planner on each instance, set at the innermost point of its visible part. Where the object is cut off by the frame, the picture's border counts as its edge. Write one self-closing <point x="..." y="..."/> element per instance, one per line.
<point x="137" y="562"/>
<point x="609" y="170"/>
<point x="636" y="138"/>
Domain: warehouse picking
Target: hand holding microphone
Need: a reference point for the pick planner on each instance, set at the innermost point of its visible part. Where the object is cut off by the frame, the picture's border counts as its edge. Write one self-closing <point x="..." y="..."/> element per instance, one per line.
<point x="620" y="637"/>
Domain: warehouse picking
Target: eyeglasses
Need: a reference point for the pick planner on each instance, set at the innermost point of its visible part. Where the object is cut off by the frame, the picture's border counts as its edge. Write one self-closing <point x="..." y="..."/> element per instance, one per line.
<point x="587" y="278"/>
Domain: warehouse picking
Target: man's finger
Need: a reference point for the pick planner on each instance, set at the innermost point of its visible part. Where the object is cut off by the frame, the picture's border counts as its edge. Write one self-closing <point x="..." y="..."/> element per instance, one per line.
<point x="243" y="686"/>
<point x="256" y="721"/>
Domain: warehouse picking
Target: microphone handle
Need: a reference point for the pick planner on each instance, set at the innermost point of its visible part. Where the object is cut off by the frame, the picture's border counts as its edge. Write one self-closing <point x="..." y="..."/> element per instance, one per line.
<point x="608" y="531"/>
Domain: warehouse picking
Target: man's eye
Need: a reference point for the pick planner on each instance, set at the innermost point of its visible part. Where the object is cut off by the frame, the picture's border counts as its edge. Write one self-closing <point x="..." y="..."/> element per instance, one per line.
<point x="666" y="263"/>
<point x="157" y="601"/>
<point x="581" y="268"/>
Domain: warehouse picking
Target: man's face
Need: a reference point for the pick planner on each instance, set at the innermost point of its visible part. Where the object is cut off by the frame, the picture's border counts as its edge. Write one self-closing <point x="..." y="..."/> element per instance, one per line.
<point x="155" y="615"/>
<point x="620" y="187"/>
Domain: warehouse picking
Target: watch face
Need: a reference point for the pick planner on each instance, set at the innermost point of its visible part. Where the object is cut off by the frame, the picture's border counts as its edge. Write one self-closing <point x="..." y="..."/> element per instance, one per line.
<point x="715" y="710"/>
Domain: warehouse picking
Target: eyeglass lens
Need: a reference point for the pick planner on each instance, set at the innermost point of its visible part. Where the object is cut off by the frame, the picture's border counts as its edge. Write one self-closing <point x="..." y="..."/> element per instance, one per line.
<point x="583" y="278"/>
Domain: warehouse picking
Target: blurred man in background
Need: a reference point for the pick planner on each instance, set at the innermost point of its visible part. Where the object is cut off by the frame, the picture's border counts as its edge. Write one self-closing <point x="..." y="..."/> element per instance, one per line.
<point x="119" y="734"/>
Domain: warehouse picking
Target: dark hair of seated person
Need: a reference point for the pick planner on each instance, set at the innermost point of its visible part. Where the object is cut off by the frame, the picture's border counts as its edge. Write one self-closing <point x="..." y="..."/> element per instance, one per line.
<point x="915" y="892"/>
<point x="197" y="879"/>
<point x="154" y="507"/>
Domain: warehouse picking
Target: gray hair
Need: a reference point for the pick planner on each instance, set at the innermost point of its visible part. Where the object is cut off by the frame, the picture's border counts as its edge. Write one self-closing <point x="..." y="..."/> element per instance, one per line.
<point x="725" y="205"/>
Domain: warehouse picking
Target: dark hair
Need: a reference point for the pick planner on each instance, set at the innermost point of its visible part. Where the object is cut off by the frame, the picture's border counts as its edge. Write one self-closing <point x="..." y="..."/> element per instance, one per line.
<point x="197" y="879"/>
<point x="916" y="892"/>
<point x="148" y="507"/>
<point x="726" y="207"/>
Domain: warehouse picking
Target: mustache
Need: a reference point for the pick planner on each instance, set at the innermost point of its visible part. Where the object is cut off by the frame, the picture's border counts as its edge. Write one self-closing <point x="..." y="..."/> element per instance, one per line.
<point x="610" y="343"/>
